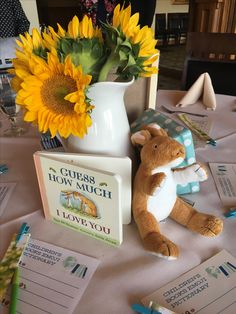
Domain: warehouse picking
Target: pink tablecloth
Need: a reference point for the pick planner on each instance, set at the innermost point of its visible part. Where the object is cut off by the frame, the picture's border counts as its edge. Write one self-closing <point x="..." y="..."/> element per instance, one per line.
<point x="125" y="274"/>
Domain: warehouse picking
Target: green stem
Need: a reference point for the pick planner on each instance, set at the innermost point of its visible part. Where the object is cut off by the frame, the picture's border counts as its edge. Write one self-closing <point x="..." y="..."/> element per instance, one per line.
<point x="111" y="62"/>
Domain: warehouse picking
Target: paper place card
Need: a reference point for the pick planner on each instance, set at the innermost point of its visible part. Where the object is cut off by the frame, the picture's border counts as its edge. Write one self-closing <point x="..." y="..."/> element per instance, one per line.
<point x="225" y="179"/>
<point x="204" y="124"/>
<point x="52" y="279"/>
<point x="207" y="289"/>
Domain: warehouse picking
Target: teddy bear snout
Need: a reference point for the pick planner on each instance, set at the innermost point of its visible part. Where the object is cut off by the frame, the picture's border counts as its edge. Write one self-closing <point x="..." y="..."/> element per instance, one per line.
<point x="179" y="153"/>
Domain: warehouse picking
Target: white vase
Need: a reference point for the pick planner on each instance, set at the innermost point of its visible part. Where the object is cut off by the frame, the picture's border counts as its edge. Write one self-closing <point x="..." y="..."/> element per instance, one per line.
<point x="110" y="131"/>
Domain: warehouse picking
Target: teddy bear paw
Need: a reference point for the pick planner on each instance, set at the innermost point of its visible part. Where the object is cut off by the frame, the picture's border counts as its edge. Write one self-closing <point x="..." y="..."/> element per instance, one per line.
<point x="206" y="225"/>
<point x="212" y="227"/>
<point x="160" y="187"/>
<point x="200" y="172"/>
<point x="157" y="191"/>
<point x="160" y="246"/>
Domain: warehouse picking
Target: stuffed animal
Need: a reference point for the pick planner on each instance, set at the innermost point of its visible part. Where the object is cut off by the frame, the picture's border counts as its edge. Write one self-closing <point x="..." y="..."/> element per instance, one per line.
<point x="154" y="191"/>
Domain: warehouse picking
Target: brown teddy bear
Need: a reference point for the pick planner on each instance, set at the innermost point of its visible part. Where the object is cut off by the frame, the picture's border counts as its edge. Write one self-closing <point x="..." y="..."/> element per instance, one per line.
<point x="154" y="191"/>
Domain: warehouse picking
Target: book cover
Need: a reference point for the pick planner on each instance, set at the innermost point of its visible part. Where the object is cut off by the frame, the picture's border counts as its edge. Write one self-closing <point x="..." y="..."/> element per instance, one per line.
<point x="118" y="165"/>
<point x="82" y="198"/>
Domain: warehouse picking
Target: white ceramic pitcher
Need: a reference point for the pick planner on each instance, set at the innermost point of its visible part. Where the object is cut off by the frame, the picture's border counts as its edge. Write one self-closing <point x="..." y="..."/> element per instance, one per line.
<point x="110" y="131"/>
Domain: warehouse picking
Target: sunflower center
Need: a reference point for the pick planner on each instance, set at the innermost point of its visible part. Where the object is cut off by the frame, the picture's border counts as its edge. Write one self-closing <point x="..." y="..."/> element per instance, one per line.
<point x="54" y="90"/>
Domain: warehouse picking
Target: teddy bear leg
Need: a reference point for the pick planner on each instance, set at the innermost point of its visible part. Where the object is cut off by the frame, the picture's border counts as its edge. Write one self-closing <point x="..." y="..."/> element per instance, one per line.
<point x="153" y="240"/>
<point x="204" y="224"/>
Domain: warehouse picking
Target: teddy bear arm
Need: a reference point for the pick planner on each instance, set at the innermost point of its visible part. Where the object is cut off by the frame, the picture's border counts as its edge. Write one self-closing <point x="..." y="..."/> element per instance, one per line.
<point x="192" y="173"/>
<point x="201" y="223"/>
<point x="153" y="182"/>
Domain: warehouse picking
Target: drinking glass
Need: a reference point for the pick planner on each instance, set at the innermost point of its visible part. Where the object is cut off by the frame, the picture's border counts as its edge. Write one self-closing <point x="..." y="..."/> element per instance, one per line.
<point x="8" y="106"/>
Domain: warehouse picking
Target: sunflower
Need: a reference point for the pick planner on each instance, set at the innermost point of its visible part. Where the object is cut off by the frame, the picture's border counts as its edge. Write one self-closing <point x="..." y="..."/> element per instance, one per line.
<point x="51" y="38"/>
<point x="28" y="46"/>
<point x="33" y="44"/>
<point x="83" y="29"/>
<point x="123" y="20"/>
<point x="29" y="43"/>
<point x="54" y="96"/>
<point x="128" y="25"/>
<point x="83" y="42"/>
<point x="21" y="66"/>
<point x="132" y="48"/>
<point x="76" y="30"/>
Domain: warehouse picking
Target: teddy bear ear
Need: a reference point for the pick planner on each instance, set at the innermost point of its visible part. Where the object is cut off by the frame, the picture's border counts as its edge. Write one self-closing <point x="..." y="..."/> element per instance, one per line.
<point x="140" y="137"/>
<point x="154" y="129"/>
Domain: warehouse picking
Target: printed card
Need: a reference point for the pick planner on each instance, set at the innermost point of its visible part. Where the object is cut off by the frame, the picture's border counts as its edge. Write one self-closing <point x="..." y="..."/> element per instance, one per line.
<point x="225" y="179"/>
<point x="52" y="279"/>
<point x="208" y="288"/>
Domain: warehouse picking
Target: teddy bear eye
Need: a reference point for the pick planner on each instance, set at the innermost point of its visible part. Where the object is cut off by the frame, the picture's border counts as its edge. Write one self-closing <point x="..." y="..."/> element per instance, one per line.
<point x="155" y="146"/>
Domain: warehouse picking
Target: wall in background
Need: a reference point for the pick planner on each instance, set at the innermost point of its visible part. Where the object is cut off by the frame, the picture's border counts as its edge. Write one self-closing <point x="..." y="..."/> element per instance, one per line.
<point x="30" y="9"/>
<point x="162" y="6"/>
<point x="166" y="6"/>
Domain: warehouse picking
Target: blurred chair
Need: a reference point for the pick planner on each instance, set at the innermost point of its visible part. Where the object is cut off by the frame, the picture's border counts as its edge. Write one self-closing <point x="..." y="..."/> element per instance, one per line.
<point x="183" y="30"/>
<point x="173" y="28"/>
<point x="214" y="53"/>
<point x="160" y="29"/>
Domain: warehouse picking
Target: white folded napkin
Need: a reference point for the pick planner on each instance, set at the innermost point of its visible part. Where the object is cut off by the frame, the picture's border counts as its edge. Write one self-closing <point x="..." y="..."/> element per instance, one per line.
<point x="202" y="87"/>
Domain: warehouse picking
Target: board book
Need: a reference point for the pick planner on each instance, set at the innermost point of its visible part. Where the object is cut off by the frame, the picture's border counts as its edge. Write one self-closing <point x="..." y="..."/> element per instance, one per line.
<point x="119" y="165"/>
<point x="79" y="196"/>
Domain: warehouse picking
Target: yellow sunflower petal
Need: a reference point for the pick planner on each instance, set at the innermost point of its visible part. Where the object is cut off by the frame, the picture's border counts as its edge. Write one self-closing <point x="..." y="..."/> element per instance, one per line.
<point x="16" y="83"/>
<point x="72" y="97"/>
<point x="30" y="116"/>
<point x="36" y="38"/>
<point x="73" y="27"/>
<point x="49" y="42"/>
<point x="61" y="31"/>
<point x="116" y="15"/>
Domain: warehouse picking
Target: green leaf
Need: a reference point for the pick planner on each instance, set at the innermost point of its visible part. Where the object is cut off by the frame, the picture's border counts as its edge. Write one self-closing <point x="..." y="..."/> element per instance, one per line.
<point x="119" y="41"/>
<point x="60" y="55"/>
<point x="123" y="56"/>
<point x="114" y="38"/>
<point x="136" y="49"/>
<point x="97" y="51"/>
<point x="125" y="49"/>
<point x="66" y="47"/>
<point x="127" y="44"/>
<point x="41" y="52"/>
<point x="131" y="60"/>
<point x="86" y="44"/>
<point x="76" y="47"/>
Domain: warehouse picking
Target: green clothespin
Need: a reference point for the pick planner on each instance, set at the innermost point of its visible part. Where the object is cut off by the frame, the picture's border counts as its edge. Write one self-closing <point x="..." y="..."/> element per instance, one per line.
<point x="3" y="169"/>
